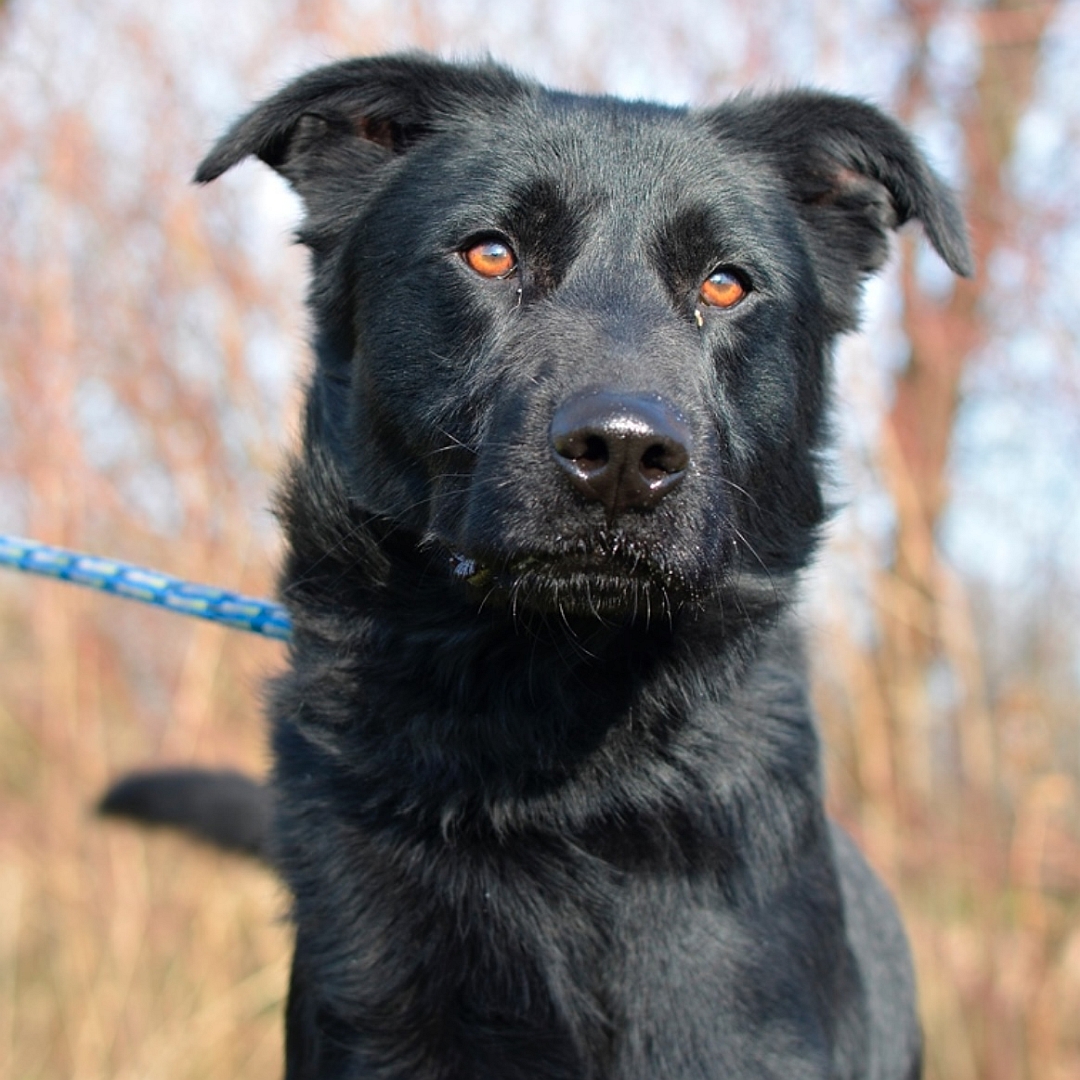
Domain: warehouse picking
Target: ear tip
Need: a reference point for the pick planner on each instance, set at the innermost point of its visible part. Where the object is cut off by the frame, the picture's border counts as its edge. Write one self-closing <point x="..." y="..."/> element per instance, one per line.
<point x="221" y="158"/>
<point x="206" y="172"/>
<point x="959" y="260"/>
<point x="936" y="205"/>
<point x="957" y="254"/>
<point x="952" y="241"/>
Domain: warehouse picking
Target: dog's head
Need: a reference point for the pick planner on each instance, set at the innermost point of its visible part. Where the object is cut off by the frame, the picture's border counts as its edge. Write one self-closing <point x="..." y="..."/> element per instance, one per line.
<point x="577" y="347"/>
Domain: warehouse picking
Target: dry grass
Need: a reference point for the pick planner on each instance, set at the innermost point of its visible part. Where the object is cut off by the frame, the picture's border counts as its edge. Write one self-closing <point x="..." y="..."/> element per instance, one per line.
<point x="983" y="853"/>
<point x="123" y="953"/>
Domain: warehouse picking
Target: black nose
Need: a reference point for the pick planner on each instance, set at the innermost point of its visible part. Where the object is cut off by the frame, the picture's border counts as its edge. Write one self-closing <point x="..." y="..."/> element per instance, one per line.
<point x="624" y="450"/>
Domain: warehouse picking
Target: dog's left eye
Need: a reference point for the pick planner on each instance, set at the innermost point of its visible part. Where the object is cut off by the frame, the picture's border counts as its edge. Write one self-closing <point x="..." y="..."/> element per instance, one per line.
<point x="723" y="289"/>
<point x="491" y="258"/>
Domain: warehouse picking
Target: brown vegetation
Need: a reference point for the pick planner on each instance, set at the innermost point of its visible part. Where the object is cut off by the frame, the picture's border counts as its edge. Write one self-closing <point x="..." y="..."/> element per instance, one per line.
<point x="965" y="804"/>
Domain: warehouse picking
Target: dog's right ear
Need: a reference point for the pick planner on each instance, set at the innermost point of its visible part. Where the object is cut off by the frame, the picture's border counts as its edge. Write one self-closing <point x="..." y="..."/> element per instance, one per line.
<point x="347" y="118"/>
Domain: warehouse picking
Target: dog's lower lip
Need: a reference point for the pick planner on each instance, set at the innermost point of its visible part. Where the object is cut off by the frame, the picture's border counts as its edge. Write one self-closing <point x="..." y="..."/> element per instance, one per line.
<point x="468" y="568"/>
<point x="535" y="575"/>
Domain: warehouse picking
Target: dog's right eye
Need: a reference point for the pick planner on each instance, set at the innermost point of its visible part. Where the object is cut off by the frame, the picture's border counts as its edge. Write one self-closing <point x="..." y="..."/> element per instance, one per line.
<point x="490" y="258"/>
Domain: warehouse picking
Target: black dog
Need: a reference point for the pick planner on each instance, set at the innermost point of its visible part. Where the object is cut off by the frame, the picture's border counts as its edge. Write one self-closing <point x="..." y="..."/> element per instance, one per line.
<point x="546" y="785"/>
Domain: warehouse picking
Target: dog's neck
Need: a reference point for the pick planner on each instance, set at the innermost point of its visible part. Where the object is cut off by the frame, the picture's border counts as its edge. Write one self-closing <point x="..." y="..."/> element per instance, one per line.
<point x="478" y="718"/>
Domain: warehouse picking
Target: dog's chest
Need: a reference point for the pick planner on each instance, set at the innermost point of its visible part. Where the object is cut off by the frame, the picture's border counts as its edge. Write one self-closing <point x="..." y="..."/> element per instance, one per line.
<point x="560" y="969"/>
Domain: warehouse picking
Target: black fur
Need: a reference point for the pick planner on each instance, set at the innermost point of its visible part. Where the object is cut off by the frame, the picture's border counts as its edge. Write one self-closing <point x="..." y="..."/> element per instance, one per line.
<point x="546" y="777"/>
<point x="223" y="808"/>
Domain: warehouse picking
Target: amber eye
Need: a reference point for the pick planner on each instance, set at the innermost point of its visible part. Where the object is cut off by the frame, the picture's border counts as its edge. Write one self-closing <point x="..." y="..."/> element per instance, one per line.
<point x="722" y="289"/>
<point x="491" y="258"/>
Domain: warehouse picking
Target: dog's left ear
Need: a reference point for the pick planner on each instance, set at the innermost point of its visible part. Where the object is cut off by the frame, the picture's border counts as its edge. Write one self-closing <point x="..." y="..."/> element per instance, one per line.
<point x="853" y="172"/>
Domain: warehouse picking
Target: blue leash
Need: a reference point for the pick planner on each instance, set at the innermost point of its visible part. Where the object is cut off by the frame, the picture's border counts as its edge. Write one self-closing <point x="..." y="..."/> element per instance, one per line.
<point x="149" y="586"/>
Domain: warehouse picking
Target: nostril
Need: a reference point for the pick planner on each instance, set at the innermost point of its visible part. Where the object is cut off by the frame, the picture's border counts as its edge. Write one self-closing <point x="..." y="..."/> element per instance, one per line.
<point x="596" y="451"/>
<point x="586" y="450"/>
<point x="663" y="459"/>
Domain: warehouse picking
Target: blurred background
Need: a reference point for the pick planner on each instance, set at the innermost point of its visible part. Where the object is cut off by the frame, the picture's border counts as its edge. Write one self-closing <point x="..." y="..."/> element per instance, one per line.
<point x="152" y="342"/>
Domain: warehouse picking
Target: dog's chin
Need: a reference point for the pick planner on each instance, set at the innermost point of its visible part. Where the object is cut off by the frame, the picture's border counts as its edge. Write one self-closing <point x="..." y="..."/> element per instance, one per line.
<point x="592" y="588"/>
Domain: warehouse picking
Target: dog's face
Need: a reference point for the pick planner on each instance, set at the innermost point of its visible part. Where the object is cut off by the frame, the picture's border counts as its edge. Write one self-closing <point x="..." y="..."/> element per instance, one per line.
<point x="577" y="347"/>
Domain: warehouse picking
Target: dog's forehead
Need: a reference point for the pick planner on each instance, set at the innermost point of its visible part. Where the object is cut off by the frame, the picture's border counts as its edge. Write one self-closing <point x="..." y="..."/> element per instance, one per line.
<point x="625" y="150"/>
<point x="634" y="163"/>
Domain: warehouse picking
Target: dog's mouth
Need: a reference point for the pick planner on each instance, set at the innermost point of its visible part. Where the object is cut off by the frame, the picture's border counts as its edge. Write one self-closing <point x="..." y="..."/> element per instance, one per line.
<point x="623" y="584"/>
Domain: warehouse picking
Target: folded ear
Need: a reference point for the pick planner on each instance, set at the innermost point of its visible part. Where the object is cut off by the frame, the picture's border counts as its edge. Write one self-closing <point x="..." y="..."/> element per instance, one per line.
<point x="345" y="118"/>
<point x="853" y="172"/>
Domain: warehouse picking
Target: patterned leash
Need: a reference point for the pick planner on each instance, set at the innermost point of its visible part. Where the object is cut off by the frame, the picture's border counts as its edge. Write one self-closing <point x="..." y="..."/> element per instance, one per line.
<point x="149" y="586"/>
